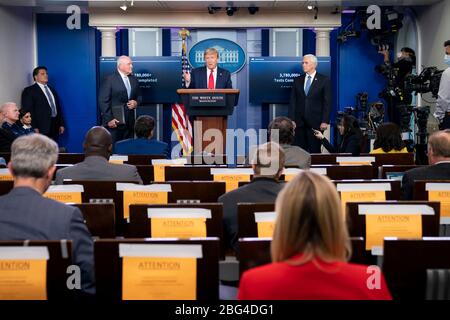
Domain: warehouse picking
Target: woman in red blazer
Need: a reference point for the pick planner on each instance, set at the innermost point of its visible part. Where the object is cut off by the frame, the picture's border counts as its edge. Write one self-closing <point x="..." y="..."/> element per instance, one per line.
<point x="310" y="249"/>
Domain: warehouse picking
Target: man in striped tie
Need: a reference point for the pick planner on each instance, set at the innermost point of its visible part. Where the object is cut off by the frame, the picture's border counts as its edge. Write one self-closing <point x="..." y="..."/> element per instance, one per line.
<point x="118" y="97"/>
<point x="42" y="101"/>
<point x="210" y="76"/>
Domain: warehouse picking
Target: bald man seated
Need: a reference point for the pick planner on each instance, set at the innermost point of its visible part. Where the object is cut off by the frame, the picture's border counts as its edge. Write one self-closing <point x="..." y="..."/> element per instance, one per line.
<point x="97" y="148"/>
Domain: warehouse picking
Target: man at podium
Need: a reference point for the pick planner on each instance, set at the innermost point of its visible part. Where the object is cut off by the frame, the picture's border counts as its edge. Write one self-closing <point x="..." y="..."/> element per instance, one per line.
<point x="210" y="76"/>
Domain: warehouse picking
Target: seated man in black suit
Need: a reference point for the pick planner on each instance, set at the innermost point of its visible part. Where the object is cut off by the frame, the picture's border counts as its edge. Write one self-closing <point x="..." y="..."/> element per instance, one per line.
<point x="6" y="136"/>
<point x="439" y="160"/>
<point x="26" y="214"/>
<point x="268" y="164"/>
<point x="97" y="149"/>
<point x="10" y="114"/>
<point x="143" y="144"/>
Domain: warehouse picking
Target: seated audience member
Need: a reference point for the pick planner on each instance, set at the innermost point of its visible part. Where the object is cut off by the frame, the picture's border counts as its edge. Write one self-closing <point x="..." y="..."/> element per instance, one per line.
<point x="268" y="164"/>
<point x="97" y="149"/>
<point x="351" y="137"/>
<point x="294" y="155"/>
<point x="143" y="144"/>
<point x="439" y="160"/>
<point x="10" y="118"/>
<point x="389" y="139"/>
<point x="26" y="215"/>
<point x="25" y="121"/>
<point x="6" y="136"/>
<point x="310" y="250"/>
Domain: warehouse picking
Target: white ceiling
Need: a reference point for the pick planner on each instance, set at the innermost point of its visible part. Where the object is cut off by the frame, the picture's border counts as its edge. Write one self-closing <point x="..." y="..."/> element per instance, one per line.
<point x="196" y="5"/>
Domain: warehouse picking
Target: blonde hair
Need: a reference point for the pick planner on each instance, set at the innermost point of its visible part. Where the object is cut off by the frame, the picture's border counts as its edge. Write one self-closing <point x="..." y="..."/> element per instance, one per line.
<point x="310" y="221"/>
<point x="211" y="51"/>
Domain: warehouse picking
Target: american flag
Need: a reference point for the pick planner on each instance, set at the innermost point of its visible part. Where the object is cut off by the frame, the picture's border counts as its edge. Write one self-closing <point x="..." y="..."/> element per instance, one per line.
<point x="180" y="119"/>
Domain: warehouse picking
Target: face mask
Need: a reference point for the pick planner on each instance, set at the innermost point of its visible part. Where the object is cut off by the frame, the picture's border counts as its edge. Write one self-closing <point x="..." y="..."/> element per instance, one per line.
<point x="447" y="59"/>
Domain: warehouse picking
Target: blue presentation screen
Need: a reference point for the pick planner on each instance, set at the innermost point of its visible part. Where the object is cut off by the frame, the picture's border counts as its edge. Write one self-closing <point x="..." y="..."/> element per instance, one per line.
<point x="271" y="78"/>
<point x="159" y="77"/>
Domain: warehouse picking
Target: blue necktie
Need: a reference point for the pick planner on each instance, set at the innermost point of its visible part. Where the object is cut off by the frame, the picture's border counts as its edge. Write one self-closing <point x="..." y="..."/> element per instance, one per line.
<point x="127" y="85"/>
<point x="50" y="100"/>
<point x="308" y="85"/>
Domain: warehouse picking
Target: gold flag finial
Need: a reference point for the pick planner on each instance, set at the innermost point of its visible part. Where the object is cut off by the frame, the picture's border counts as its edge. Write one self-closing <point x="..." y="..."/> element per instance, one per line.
<point x="184" y="33"/>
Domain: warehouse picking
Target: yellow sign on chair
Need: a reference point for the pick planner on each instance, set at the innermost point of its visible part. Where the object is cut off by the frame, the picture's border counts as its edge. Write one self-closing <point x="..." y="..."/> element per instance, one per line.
<point x="159" y="167"/>
<point x="440" y="192"/>
<point x="362" y="192"/>
<point x="5" y="175"/>
<point x="266" y="223"/>
<point x="23" y="273"/>
<point x="140" y="194"/>
<point x="117" y="159"/>
<point x="393" y="220"/>
<point x="159" y="271"/>
<point x="70" y="193"/>
<point x="231" y="177"/>
<point x="178" y="222"/>
<point x="355" y="160"/>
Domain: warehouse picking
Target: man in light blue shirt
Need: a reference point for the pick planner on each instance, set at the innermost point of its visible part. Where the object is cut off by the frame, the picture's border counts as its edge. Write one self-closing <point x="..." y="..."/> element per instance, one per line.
<point x="442" y="112"/>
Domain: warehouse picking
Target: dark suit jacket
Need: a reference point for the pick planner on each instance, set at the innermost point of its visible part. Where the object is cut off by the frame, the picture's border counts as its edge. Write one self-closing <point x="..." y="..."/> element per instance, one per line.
<point x="6" y="139"/>
<point x="313" y="109"/>
<point x="26" y="215"/>
<point x="349" y="144"/>
<point x="260" y="189"/>
<point x="141" y="146"/>
<point x="199" y="81"/>
<point x="98" y="168"/>
<point x="35" y="101"/>
<point x="113" y="92"/>
<point x="439" y="171"/>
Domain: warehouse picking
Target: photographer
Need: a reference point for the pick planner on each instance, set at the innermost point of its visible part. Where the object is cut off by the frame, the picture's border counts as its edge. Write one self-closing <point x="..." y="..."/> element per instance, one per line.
<point x="404" y="66"/>
<point x="442" y="112"/>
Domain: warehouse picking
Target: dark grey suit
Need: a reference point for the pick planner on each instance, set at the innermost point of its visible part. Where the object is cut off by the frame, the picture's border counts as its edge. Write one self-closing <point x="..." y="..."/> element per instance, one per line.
<point x="439" y="171"/>
<point x="296" y="157"/>
<point x="260" y="189"/>
<point x="26" y="215"/>
<point x="98" y="168"/>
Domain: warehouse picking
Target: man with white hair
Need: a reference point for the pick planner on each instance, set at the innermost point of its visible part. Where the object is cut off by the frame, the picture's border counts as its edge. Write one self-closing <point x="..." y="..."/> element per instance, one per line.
<point x="26" y="215"/>
<point x="6" y="136"/>
<point x="310" y="105"/>
<point x="118" y="98"/>
<point x="268" y="164"/>
<point x="10" y="114"/>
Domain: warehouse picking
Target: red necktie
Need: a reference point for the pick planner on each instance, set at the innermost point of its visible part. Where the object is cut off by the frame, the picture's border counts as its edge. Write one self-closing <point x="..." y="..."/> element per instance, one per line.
<point x="211" y="80"/>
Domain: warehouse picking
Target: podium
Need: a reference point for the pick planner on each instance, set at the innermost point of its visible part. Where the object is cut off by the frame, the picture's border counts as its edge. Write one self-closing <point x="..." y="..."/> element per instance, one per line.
<point x="209" y="109"/>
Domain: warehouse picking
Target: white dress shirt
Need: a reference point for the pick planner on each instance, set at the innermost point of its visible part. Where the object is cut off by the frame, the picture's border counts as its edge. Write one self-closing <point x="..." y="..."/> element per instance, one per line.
<point x="313" y="75"/>
<point x="42" y="86"/>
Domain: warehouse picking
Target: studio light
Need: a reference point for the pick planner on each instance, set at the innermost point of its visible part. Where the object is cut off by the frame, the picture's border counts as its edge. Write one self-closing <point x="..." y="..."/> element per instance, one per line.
<point x="310" y="7"/>
<point x="231" y="11"/>
<point x="253" y="10"/>
<point x="124" y="7"/>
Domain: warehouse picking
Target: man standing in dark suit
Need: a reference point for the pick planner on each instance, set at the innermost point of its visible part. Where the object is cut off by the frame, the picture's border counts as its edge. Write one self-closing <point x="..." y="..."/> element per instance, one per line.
<point x="26" y="215"/>
<point x="120" y="89"/>
<point x="310" y="105"/>
<point x="42" y="101"/>
<point x="439" y="160"/>
<point x="210" y="76"/>
<point x="268" y="165"/>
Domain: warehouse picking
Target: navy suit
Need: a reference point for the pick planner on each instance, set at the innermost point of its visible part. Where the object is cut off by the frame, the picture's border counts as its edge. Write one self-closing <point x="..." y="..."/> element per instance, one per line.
<point x="26" y="215"/>
<point x="199" y="79"/>
<point x="310" y="110"/>
<point x="141" y="146"/>
<point x="113" y="92"/>
<point x="440" y="171"/>
<point x="35" y="101"/>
